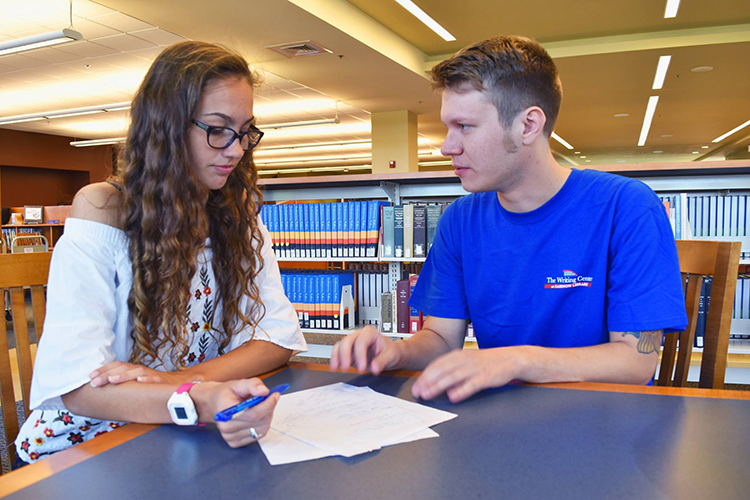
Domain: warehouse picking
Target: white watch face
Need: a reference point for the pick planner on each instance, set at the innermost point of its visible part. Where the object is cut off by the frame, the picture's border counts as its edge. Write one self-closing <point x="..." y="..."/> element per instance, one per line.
<point x="182" y="409"/>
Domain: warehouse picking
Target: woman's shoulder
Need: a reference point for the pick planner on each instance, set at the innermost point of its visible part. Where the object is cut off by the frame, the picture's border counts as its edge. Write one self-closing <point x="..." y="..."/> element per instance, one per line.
<point x="98" y="202"/>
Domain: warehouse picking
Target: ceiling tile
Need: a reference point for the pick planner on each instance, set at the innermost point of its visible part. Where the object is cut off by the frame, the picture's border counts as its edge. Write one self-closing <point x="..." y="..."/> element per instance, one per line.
<point x="52" y="56"/>
<point x="124" y="43"/>
<point x="85" y="8"/>
<point x="21" y="62"/>
<point x="120" y="21"/>
<point x="158" y="36"/>
<point x="87" y="49"/>
<point x="10" y="26"/>
<point x="147" y="54"/>
<point x="89" y="29"/>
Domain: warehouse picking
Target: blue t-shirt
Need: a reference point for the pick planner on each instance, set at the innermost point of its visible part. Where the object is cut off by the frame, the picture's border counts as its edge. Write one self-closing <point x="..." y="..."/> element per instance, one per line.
<point x="597" y="257"/>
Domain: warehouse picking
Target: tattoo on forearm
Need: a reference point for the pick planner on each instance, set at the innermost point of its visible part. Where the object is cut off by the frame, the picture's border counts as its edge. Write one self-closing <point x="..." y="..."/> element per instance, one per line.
<point x="648" y="342"/>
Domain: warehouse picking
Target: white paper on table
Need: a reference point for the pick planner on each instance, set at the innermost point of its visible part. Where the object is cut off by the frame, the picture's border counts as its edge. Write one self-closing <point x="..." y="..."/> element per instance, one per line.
<point x="281" y="449"/>
<point x="346" y="420"/>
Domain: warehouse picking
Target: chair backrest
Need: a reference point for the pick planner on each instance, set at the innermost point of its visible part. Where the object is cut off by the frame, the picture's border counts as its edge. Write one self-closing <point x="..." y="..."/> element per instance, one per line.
<point x="720" y="260"/>
<point x="16" y="272"/>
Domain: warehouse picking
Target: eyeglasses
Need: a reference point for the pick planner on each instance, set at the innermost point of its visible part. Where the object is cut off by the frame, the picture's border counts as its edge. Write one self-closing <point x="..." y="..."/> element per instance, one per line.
<point x="223" y="137"/>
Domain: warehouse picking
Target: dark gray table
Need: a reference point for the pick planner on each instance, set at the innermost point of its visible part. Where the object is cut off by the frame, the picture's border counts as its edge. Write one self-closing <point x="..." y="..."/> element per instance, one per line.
<point x="515" y="442"/>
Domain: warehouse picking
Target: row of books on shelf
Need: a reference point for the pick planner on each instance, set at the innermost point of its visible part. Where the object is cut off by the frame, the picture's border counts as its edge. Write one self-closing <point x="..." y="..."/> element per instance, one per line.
<point x="338" y="300"/>
<point x="324" y="230"/>
<point x="740" y="314"/>
<point x="322" y="300"/>
<point x="408" y="231"/>
<point x="714" y="216"/>
<point x="351" y="229"/>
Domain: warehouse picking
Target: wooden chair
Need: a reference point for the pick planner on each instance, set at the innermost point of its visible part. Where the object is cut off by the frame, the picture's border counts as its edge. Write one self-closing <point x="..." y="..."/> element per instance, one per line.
<point x="16" y="272"/>
<point x="719" y="259"/>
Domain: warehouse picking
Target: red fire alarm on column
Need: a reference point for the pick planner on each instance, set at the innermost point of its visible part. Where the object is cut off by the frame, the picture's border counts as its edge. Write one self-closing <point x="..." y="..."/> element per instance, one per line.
<point x="392" y="164"/>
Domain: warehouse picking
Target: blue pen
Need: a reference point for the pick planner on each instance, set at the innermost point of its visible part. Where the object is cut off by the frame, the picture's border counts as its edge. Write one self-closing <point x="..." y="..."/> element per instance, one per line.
<point x="226" y="415"/>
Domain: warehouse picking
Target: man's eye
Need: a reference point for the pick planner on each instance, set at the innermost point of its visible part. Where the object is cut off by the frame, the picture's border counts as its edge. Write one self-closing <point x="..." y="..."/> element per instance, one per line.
<point x="463" y="126"/>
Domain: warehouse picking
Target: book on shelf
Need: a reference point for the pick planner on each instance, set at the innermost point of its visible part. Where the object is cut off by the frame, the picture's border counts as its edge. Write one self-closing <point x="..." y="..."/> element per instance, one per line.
<point x="388" y="231"/>
<point x="386" y="312"/>
<point x="398" y="231"/>
<point x="408" y="231"/>
<point x="403" y="292"/>
<point x="420" y="231"/>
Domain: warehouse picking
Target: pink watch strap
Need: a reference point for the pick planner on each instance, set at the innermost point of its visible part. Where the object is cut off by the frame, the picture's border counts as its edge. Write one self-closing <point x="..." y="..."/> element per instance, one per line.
<point x="185" y="388"/>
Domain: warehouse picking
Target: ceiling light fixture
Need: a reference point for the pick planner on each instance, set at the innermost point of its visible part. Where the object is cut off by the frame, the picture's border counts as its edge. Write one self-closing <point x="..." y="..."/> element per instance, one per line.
<point x="97" y="142"/>
<point x="439" y="163"/>
<point x="307" y="123"/>
<point x="314" y="145"/>
<point x="42" y="40"/>
<point x="736" y="129"/>
<point x="310" y="159"/>
<point x="561" y="141"/>
<point x="342" y="168"/>
<point x="427" y="20"/>
<point x="671" y="9"/>
<point x="650" y="110"/>
<point x="661" y="72"/>
<point x="65" y="113"/>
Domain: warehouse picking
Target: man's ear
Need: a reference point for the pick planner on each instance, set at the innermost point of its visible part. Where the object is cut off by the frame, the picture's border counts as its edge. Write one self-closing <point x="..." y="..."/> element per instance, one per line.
<point x="531" y="123"/>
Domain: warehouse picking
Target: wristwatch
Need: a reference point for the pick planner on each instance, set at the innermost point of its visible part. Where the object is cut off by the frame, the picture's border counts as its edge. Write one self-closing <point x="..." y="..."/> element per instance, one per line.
<point x="181" y="406"/>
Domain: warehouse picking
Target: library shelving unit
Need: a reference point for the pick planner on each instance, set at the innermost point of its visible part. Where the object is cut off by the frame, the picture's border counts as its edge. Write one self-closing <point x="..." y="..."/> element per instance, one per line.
<point x="50" y="230"/>
<point x="695" y="179"/>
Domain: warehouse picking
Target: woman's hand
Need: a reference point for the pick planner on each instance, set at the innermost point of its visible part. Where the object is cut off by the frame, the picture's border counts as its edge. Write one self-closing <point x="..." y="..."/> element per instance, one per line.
<point x="245" y="427"/>
<point x="118" y="372"/>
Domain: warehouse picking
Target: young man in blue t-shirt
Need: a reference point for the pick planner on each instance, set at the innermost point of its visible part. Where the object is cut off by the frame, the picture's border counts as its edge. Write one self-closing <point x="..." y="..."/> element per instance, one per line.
<point x="566" y="275"/>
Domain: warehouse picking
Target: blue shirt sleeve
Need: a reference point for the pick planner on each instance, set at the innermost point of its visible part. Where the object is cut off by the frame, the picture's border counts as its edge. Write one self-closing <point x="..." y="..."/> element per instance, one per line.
<point x="643" y="279"/>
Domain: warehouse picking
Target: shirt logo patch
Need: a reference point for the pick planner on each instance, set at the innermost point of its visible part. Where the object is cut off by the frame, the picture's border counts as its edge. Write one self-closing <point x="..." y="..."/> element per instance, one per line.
<point x="569" y="279"/>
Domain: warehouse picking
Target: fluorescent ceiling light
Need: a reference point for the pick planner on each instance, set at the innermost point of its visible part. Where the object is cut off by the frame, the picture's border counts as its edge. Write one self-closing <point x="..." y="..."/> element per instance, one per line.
<point x="722" y="137"/>
<point x="671" y="10"/>
<point x="661" y="72"/>
<point x="65" y="113"/>
<point x="439" y="163"/>
<point x="97" y="142"/>
<point x="427" y="20"/>
<point x="38" y="41"/>
<point x="650" y="110"/>
<point x="561" y="141"/>
<point x="314" y="145"/>
<point x="308" y="159"/>
<point x="307" y="123"/>
<point x="339" y="168"/>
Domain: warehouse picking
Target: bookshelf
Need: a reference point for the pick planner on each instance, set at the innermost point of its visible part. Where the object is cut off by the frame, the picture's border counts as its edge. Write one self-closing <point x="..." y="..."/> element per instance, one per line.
<point x="694" y="178"/>
<point x="50" y="230"/>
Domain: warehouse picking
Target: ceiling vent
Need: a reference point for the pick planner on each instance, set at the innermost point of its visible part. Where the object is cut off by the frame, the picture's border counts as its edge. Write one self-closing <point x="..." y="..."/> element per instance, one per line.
<point x="299" y="49"/>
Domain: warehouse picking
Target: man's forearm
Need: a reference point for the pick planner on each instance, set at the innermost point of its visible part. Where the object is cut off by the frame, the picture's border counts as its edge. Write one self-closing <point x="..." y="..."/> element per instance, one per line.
<point x="613" y="362"/>
<point x="418" y="351"/>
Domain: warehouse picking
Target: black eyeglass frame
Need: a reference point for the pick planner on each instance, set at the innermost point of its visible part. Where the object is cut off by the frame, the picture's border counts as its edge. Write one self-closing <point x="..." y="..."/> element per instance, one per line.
<point x="252" y="130"/>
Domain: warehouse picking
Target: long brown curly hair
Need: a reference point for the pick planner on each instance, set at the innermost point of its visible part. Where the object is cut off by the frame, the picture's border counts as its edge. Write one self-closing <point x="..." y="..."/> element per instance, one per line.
<point x="165" y="213"/>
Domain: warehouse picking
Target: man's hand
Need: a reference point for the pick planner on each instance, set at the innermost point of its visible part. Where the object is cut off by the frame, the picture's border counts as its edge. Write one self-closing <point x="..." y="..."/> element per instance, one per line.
<point x="462" y="373"/>
<point x="119" y="372"/>
<point x="365" y="349"/>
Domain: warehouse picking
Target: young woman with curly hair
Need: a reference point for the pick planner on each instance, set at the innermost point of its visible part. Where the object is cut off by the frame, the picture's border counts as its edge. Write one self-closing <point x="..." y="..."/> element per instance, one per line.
<point x="164" y="275"/>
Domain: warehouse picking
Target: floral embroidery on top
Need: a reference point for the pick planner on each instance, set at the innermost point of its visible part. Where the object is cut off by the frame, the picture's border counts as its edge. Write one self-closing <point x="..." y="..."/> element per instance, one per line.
<point x="56" y="430"/>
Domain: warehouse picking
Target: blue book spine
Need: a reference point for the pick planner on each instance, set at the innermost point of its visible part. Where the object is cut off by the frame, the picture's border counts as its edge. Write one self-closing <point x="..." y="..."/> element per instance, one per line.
<point x="329" y="230"/>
